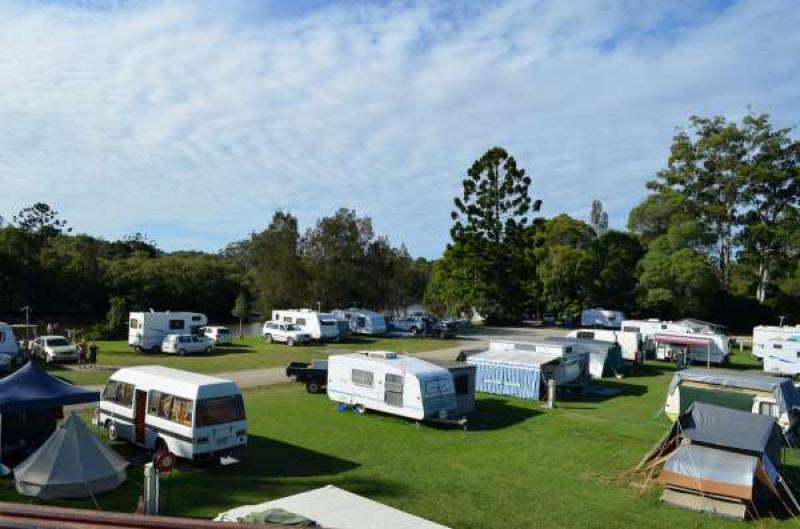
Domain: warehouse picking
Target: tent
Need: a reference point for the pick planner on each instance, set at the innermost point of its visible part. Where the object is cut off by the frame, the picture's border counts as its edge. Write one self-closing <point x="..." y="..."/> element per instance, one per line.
<point x="719" y="460"/>
<point x="605" y="358"/>
<point x="331" y="506"/>
<point x="31" y="404"/>
<point x="73" y="463"/>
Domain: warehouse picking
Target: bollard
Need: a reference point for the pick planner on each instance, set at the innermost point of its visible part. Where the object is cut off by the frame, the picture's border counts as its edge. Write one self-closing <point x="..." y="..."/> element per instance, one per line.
<point x="151" y="489"/>
<point x="551" y="393"/>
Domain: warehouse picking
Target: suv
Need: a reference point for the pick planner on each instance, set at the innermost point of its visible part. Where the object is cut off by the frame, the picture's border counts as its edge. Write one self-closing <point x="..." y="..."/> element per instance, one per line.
<point x="276" y="331"/>
<point x="54" y="349"/>
<point x="186" y="343"/>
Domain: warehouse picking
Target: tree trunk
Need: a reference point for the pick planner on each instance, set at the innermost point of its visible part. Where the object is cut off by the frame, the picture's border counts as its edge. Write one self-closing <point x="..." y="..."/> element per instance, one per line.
<point x="763" y="280"/>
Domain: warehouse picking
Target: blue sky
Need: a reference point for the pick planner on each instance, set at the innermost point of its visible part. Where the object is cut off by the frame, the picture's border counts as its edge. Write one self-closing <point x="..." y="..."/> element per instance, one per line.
<point x="194" y="121"/>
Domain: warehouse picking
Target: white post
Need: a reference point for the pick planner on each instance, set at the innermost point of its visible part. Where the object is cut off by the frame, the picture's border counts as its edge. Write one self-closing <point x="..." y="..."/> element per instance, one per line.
<point x="152" y="494"/>
<point x="551" y="393"/>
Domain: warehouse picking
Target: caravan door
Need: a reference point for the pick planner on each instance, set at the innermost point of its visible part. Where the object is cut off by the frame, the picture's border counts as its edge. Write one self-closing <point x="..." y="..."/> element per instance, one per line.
<point x="139" y="415"/>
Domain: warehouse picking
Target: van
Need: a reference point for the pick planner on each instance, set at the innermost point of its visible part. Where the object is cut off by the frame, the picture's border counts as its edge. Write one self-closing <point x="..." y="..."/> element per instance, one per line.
<point x="218" y="334"/>
<point x="193" y="416"/>
<point x="147" y="330"/>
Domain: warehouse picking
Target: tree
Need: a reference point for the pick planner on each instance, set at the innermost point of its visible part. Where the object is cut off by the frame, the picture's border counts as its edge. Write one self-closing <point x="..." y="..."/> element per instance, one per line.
<point x="240" y="311"/>
<point x="598" y="218"/>
<point x="42" y="220"/>
<point x="615" y="256"/>
<point x="489" y="235"/>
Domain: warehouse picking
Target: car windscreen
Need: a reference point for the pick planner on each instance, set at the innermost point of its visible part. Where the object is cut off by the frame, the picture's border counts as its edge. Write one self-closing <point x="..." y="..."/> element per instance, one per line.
<point x="219" y="410"/>
<point x="57" y="342"/>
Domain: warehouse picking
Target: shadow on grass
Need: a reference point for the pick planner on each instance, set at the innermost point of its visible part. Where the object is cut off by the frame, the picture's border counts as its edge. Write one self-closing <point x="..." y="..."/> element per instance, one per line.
<point x="606" y="390"/>
<point x="497" y="414"/>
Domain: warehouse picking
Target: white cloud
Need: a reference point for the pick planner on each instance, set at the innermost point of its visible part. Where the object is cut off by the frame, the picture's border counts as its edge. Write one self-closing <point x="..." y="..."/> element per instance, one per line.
<point x="192" y="122"/>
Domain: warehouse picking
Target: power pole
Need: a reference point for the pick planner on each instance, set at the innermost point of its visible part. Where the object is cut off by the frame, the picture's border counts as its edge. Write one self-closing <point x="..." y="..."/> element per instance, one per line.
<point x="27" y="310"/>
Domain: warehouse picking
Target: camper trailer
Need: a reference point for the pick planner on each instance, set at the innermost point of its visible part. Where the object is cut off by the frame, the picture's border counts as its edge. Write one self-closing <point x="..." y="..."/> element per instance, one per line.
<point x="782" y="357"/>
<point x="391" y="383"/>
<point x="362" y="321"/>
<point x="697" y="348"/>
<point x="9" y="348"/>
<point x="605" y="358"/>
<point x="756" y="393"/>
<point x="602" y="318"/>
<point x="664" y="351"/>
<point x="321" y="326"/>
<point x="193" y="416"/>
<point x="630" y="342"/>
<point x="147" y="330"/>
<point x="763" y="333"/>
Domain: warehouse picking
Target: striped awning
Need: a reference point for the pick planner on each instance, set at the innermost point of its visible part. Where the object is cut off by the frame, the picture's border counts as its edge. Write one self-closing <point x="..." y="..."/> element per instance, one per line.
<point x="679" y="339"/>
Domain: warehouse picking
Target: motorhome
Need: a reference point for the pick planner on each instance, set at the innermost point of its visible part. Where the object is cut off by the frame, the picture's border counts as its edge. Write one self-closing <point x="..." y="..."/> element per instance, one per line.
<point x="602" y="318"/>
<point x="629" y="341"/>
<point x="763" y="333"/>
<point x="782" y="357"/>
<point x="387" y="382"/>
<point x="147" y="330"/>
<point x="756" y="393"/>
<point x="362" y="321"/>
<point x="321" y="326"/>
<point x="193" y="416"/>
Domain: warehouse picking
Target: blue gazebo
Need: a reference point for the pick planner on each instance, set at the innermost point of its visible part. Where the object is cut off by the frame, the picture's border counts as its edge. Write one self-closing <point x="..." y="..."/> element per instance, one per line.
<point x="31" y="404"/>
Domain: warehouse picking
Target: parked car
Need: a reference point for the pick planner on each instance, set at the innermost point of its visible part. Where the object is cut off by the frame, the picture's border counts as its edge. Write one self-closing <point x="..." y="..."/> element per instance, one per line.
<point x="289" y="333"/>
<point x="314" y="375"/>
<point x="54" y="349"/>
<point x="182" y="344"/>
<point x="219" y="335"/>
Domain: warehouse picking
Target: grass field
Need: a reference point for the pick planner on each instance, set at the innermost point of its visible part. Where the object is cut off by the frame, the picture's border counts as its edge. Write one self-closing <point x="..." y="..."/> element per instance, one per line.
<point x="250" y="353"/>
<point x="522" y="466"/>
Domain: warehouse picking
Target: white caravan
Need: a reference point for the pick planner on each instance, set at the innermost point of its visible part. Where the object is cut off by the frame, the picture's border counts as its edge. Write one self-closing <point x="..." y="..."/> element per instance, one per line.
<point x="193" y="416"/>
<point x="9" y="348"/>
<point x="147" y="330"/>
<point x="321" y="326"/>
<point x="763" y="333"/>
<point x="391" y="383"/>
<point x="782" y="357"/>
<point x="649" y="328"/>
<point x="602" y="318"/>
<point x="362" y="321"/>
<point x="629" y="341"/>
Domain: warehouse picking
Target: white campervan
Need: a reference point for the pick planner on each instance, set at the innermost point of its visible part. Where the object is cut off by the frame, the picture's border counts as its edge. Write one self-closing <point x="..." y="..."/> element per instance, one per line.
<point x="782" y="357"/>
<point x="147" y="330"/>
<point x="362" y="321"/>
<point x="763" y="333"/>
<point x="191" y="415"/>
<point x="321" y="326"/>
<point x="391" y="383"/>
<point x="602" y="318"/>
<point x="629" y="341"/>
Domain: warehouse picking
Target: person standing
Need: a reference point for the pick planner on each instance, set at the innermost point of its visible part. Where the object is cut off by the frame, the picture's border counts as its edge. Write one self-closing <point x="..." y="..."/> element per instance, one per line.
<point x="93" y="353"/>
<point x="82" y="353"/>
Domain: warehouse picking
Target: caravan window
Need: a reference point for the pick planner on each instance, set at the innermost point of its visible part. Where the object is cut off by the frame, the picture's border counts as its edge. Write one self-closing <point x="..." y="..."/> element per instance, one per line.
<point x="2" y="336"/>
<point x="461" y="383"/>
<point x="328" y="322"/>
<point x="181" y="412"/>
<point x="361" y="378"/>
<point x="768" y="408"/>
<point x="197" y="318"/>
<point x="175" y="325"/>
<point x="586" y="334"/>
<point x="287" y="319"/>
<point x="118" y="393"/>
<point x="134" y="323"/>
<point x="300" y="321"/>
<point x="434" y="388"/>
<point x="219" y="410"/>
<point x="630" y="329"/>
<point x="777" y="346"/>
<point x="160" y="404"/>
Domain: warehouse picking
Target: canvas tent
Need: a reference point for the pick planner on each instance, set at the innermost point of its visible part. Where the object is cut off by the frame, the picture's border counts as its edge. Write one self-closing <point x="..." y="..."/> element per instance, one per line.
<point x="73" y="463"/>
<point x="719" y="460"/>
<point x="331" y="506"/>
<point x="31" y="404"/>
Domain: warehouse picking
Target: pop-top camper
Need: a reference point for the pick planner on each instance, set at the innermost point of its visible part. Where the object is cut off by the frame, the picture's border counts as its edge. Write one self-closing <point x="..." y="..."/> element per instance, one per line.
<point x="602" y="318"/>
<point x="321" y="326"/>
<point x="763" y="333"/>
<point x="391" y="383"/>
<point x="362" y="321"/>
<point x="146" y="330"/>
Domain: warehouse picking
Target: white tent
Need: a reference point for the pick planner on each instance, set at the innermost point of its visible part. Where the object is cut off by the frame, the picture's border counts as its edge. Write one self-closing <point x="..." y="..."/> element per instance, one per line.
<point x="333" y="507"/>
<point x="72" y="463"/>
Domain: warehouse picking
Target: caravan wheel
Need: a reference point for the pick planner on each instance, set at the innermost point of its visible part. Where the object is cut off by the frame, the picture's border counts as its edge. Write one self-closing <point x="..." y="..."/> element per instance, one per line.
<point x="181" y="352"/>
<point x="138" y="349"/>
<point x="359" y="409"/>
<point x="111" y="430"/>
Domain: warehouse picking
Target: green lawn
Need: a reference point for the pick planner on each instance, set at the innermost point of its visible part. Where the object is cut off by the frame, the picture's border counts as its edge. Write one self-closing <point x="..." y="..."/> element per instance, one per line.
<point x="250" y="353"/>
<point x="522" y="466"/>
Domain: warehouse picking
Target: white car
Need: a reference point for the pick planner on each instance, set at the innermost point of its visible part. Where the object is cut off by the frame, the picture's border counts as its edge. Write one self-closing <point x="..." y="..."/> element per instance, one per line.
<point x="55" y="349"/>
<point x="182" y="344"/>
<point x="276" y="331"/>
<point x="218" y="335"/>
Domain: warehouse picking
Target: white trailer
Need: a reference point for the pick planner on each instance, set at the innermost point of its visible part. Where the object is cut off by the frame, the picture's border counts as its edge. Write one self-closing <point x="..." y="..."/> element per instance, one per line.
<point x="629" y="341"/>
<point x="362" y="321"/>
<point x="782" y="357"/>
<point x="764" y="333"/>
<point x="9" y="347"/>
<point x="194" y="416"/>
<point x="387" y="382"/>
<point x="321" y="326"/>
<point x="602" y="318"/>
<point x="147" y="330"/>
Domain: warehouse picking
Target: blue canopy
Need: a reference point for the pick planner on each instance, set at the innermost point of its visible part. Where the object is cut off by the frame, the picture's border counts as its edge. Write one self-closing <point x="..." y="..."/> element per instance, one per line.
<point x="30" y="388"/>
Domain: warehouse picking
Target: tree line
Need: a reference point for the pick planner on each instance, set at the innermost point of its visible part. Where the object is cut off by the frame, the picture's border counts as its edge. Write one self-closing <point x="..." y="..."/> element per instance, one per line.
<point x="717" y="236"/>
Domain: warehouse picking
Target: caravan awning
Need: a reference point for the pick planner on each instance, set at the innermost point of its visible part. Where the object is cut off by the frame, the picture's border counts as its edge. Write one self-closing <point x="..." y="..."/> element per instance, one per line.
<point x="677" y="339"/>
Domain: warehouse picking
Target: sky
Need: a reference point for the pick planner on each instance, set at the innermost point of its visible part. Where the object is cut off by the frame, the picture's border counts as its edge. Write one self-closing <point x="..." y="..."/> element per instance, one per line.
<point x="192" y="122"/>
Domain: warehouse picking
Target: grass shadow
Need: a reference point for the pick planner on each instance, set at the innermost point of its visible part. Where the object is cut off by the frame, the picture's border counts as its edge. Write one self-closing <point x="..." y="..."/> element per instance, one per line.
<point x="614" y="389"/>
<point x="497" y="414"/>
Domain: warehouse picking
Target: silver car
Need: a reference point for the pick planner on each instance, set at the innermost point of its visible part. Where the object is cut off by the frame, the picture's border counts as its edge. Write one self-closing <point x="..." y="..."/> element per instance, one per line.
<point x="55" y="349"/>
<point x="182" y="344"/>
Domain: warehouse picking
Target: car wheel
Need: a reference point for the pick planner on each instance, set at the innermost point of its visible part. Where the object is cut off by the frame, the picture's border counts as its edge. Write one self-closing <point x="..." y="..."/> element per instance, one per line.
<point x="359" y="409"/>
<point x="414" y="331"/>
<point x="290" y="342"/>
<point x="138" y="349"/>
<point x="161" y="444"/>
<point x="312" y="387"/>
<point x="181" y="352"/>
<point x="268" y="338"/>
<point x="208" y="350"/>
<point x="111" y="430"/>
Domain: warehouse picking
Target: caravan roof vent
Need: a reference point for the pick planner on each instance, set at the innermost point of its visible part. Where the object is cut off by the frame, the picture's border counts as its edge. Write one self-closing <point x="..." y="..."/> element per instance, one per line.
<point x="382" y="354"/>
